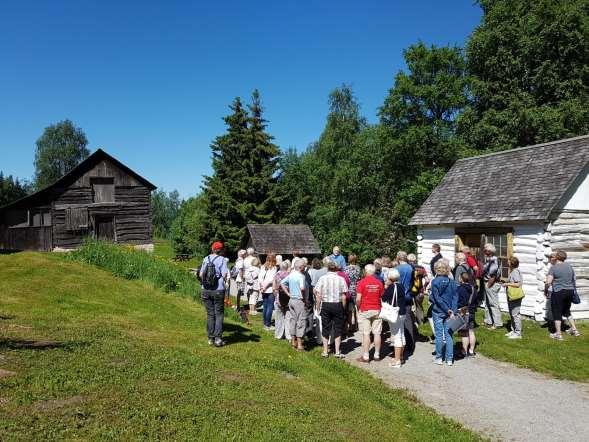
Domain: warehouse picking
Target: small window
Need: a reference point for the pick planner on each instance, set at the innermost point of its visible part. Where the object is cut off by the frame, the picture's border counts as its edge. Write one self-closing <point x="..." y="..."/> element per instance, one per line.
<point x="103" y="189"/>
<point x="476" y="239"/>
<point x="46" y="218"/>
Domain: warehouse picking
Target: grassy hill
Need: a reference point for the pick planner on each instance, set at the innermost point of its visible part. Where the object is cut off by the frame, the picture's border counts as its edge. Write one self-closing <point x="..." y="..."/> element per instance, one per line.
<point x="90" y="356"/>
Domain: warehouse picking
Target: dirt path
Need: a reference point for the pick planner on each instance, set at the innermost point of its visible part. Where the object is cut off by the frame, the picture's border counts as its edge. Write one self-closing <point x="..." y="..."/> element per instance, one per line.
<point x="496" y="399"/>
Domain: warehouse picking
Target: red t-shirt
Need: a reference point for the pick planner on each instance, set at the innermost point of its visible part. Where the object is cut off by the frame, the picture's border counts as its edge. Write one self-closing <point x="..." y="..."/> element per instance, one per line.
<point x="371" y="290"/>
<point x="472" y="263"/>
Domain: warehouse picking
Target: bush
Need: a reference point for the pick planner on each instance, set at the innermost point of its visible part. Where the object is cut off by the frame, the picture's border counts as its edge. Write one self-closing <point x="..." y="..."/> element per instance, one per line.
<point x="128" y="263"/>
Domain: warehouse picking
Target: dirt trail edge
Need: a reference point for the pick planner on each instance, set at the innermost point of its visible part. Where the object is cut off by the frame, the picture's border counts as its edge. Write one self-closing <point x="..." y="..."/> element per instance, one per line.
<point x="496" y="399"/>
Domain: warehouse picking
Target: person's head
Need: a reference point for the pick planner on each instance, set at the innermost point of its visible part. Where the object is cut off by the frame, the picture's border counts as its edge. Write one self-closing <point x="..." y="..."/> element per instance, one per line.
<point x="278" y="260"/>
<point x="489" y="249"/>
<point x="393" y="275"/>
<point x="316" y="263"/>
<point x="296" y="253"/>
<point x="369" y="269"/>
<point x="394" y="264"/>
<point x="336" y="250"/>
<point x="386" y="262"/>
<point x="401" y="256"/>
<point x="270" y="261"/>
<point x="411" y="258"/>
<point x="300" y="265"/>
<point x="332" y="266"/>
<point x="464" y="278"/>
<point x="285" y="265"/>
<point x="250" y="251"/>
<point x="561" y="255"/>
<point x="217" y="247"/>
<point x="513" y="262"/>
<point x="305" y="261"/>
<point x="377" y="265"/>
<point x="465" y="250"/>
<point x="460" y="258"/>
<point x="326" y="261"/>
<point x="441" y="267"/>
<point x="552" y="258"/>
<point x="241" y="253"/>
<point x="255" y="262"/>
<point x="352" y="259"/>
<point x="436" y="248"/>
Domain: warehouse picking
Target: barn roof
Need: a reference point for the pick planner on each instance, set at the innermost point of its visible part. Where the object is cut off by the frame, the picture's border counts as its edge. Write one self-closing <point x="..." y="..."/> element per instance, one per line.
<point x="73" y="175"/>
<point x="283" y="239"/>
<point x="523" y="184"/>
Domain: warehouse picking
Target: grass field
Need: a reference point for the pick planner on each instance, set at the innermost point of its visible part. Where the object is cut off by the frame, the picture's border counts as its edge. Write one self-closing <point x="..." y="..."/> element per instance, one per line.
<point x="564" y="360"/>
<point x="163" y="248"/>
<point x="93" y="356"/>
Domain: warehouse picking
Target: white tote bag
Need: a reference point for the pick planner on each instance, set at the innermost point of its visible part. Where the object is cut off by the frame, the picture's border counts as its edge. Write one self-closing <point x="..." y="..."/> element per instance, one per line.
<point x="387" y="311"/>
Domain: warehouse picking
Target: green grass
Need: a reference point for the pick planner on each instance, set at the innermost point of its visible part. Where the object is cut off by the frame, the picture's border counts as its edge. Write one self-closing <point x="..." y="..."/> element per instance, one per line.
<point x="163" y="248"/>
<point x="135" y="365"/>
<point x="536" y="350"/>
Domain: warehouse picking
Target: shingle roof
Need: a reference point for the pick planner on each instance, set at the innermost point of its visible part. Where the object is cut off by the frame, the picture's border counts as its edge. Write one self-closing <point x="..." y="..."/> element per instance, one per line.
<point x="283" y="239"/>
<point x="521" y="184"/>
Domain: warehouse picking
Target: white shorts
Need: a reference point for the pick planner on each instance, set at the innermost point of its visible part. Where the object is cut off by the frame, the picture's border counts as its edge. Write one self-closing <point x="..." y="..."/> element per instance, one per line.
<point x="253" y="298"/>
<point x="398" y="331"/>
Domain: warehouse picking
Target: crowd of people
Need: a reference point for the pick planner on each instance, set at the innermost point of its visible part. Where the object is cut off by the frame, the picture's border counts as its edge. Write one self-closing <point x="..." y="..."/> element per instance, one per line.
<point x="325" y="301"/>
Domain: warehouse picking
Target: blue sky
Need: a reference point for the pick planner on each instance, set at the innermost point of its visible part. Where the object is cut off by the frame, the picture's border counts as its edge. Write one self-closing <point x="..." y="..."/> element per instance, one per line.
<point x="150" y="81"/>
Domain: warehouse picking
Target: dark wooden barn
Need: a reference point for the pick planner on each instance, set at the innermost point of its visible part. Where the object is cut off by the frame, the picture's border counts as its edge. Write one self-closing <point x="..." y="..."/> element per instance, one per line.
<point x="282" y="239"/>
<point x="101" y="198"/>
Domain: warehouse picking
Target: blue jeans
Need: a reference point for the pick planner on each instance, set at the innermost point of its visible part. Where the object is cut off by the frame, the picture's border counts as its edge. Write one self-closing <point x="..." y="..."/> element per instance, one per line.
<point x="441" y="330"/>
<point x="268" y="300"/>
<point x="213" y="301"/>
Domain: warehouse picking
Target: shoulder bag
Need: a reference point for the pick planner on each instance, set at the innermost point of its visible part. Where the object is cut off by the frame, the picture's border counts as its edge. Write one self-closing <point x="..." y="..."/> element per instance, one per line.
<point x="389" y="312"/>
<point x="516" y="293"/>
<point x="576" y="299"/>
<point x="460" y="319"/>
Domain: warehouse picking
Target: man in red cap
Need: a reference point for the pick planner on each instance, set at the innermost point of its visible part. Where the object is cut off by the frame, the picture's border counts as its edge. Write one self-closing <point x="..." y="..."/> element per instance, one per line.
<point x="212" y="275"/>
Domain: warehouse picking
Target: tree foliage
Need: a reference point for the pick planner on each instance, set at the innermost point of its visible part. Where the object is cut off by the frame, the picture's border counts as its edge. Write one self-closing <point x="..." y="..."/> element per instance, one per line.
<point x="188" y="233"/>
<point x="164" y="208"/>
<point x="61" y="148"/>
<point x="11" y="189"/>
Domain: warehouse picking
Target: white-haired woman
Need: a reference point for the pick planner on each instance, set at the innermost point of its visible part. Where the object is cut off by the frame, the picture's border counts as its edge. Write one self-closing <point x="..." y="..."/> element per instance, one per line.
<point x="281" y="312"/>
<point x="491" y="286"/>
<point x="252" y="284"/>
<point x="444" y="300"/>
<point x="394" y="295"/>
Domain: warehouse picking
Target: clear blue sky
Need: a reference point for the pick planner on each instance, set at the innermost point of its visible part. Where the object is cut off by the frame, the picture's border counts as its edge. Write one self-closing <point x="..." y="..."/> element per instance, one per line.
<point x="149" y="81"/>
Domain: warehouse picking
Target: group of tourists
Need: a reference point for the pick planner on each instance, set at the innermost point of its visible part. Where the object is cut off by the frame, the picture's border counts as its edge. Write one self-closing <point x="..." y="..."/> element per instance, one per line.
<point x="325" y="301"/>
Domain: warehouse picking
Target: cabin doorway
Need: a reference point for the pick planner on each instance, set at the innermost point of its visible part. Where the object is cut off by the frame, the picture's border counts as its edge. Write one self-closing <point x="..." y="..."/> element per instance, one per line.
<point x="104" y="227"/>
<point x="501" y="238"/>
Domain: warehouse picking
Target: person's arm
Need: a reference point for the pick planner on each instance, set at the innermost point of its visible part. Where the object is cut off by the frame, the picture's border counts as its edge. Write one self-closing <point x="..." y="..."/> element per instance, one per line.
<point x="224" y="269"/>
<point x="493" y="269"/>
<point x="517" y="283"/>
<point x="202" y="270"/>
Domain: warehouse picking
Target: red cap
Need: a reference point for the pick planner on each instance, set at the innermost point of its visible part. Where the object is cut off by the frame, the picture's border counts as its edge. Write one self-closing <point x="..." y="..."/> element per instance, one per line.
<point x="217" y="245"/>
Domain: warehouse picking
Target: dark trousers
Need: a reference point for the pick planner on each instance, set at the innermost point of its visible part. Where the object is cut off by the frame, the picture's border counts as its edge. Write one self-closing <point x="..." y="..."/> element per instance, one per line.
<point x="213" y="301"/>
<point x="410" y="332"/>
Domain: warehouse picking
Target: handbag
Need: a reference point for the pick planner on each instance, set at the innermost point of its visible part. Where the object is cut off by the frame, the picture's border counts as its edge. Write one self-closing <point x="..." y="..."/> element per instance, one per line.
<point x="387" y="311"/>
<point x="515" y="293"/>
<point x="575" y="299"/>
<point x="460" y="319"/>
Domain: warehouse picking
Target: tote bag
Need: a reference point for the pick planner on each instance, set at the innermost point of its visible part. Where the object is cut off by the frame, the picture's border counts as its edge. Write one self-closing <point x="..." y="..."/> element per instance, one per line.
<point x="387" y="311"/>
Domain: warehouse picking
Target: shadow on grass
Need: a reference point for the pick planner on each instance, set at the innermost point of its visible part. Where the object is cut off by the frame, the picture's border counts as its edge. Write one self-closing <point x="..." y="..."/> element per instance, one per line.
<point x="34" y="344"/>
<point x="239" y="334"/>
<point x="8" y="252"/>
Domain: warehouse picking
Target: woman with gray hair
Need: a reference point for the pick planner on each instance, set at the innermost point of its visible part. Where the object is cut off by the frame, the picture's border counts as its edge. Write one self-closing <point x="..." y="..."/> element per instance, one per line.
<point x="281" y="313"/>
<point x="394" y="295"/>
<point x="444" y="300"/>
<point x="491" y="287"/>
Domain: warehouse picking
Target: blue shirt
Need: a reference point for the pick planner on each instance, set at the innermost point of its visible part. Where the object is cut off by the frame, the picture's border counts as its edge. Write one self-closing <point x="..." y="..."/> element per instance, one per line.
<point x="295" y="281"/>
<point x="443" y="296"/>
<point x="339" y="260"/>
<point x="406" y="279"/>
<point x="220" y="269"/>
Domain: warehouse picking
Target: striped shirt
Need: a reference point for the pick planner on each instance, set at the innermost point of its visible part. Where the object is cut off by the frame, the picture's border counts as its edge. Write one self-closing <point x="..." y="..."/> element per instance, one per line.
<point x="331" y="287"/>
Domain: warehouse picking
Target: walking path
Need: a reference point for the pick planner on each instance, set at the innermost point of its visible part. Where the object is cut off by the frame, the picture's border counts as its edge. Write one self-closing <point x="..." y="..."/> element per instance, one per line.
<point x="495" y="399"/>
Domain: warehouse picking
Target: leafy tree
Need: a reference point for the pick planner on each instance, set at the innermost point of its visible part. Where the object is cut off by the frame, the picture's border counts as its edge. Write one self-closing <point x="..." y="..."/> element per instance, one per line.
<point x="188" y="228"/>
<point x="11" y="189"/>
<point x="165" y="208"/>
<point x="61" y="148"/>
<point x="530" y="76"/>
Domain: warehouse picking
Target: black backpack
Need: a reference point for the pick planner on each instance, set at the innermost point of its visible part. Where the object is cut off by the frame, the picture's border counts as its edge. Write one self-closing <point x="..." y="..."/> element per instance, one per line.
<point x="210" y="279"/>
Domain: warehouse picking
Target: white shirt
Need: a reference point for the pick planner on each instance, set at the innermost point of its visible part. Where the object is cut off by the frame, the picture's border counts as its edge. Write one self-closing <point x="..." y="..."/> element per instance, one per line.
<point x="247" y="261"/>
<point x="239" y="264"/>
<point x="251" y="277"/>
<point x="331" y="287"/>
<point x="266" y="278"/>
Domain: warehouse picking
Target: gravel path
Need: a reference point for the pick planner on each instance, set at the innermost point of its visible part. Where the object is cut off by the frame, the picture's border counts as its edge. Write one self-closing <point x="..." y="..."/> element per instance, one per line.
<point x="497" y="400"/>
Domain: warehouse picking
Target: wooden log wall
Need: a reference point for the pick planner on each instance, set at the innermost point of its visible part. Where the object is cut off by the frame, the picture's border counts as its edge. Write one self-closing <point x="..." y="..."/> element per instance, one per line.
<point x="426" y="237"/>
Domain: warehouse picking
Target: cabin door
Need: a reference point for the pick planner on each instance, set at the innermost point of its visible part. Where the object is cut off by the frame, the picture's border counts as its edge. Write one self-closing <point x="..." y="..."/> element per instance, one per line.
<point x="104" y="227"/>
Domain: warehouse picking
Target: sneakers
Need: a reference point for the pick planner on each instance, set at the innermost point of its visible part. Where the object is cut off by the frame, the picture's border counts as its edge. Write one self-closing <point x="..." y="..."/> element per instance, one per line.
<point x="339" y="355"/>
<point x="573" y="332"/>
<point x="396" y="364"/>
<point x="449" y="363"/>
<point x="376" y="357"/>
<point x="438" y="361"/>
<point x="472" y="355"/>
<point x="514" y="336"/>
<point x="508" y="334"/>
<point x="219" y="343"/>
<point x="324" y="355"/>
<point x="361" y="359"/>
<point x="211" y="341"/>
<point x="556" y="336"/>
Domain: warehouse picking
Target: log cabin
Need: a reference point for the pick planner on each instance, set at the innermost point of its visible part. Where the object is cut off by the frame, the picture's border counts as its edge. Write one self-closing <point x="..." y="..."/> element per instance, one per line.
<point x="100" y="198"/>
<point x="282" y="239"/>
<point x="528" y="202"/>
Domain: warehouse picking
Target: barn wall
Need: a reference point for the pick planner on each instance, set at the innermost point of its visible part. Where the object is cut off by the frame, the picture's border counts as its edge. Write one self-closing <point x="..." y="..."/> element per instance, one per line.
<point x="106" y="169"/>
<point x="427" y="236"/>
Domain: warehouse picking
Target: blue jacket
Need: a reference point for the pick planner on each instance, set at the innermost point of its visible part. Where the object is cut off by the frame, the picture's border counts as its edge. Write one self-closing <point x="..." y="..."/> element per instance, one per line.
<point x="443" y="296"/>
<point x="406" y="280"/>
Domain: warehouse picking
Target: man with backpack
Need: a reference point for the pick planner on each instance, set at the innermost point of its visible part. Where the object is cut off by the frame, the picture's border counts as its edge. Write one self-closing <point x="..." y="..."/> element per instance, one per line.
<point x="212" y="276"/>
